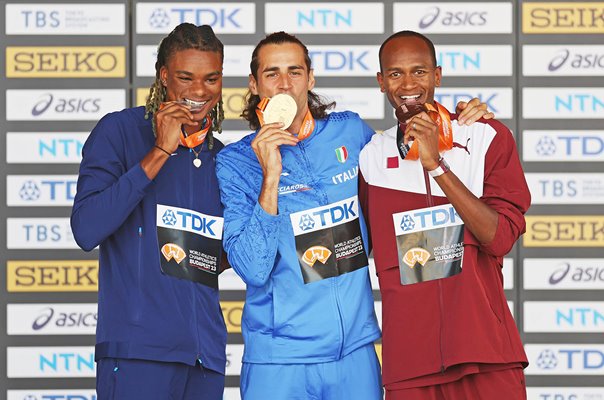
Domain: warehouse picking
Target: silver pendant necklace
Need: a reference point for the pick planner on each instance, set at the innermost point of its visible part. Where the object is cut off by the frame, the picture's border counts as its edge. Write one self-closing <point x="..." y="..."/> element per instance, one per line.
<point x="196" y="160"/>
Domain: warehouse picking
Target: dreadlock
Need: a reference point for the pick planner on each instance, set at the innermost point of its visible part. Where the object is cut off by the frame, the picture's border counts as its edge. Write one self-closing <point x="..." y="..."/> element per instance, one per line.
<point x="185" y="36"/>
<point x="318" y="108"/>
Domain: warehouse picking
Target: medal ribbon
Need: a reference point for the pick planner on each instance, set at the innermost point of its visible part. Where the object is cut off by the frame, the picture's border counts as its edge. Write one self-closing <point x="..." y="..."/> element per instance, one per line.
<point x="308" y="124"/>
<point x="195" y="139"/>
<point x="441" y="117"/>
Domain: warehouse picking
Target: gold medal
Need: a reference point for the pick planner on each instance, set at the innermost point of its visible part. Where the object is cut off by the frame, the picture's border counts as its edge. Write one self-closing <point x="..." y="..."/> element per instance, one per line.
<point x="280" y="108"/>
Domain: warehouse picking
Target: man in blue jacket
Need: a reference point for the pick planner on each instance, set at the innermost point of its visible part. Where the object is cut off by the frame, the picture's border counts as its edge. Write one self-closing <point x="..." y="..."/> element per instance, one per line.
<point x="295" y="234"/>
<point x="148" y="197"/>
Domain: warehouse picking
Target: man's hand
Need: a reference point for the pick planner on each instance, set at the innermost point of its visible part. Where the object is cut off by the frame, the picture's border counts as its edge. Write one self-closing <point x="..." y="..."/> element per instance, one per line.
<point x="424" y="131"/>
<point x="472" y="111"/>
<point x="266" y="146"/>
<point x="169" y="121"/>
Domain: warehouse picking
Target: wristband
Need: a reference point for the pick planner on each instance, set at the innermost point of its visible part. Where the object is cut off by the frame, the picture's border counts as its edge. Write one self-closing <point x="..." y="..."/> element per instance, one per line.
<point x="156" y="146"/>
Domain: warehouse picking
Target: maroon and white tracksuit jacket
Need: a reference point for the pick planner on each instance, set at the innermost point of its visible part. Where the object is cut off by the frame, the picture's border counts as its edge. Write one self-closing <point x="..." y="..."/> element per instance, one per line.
<point x="433" y="327"/>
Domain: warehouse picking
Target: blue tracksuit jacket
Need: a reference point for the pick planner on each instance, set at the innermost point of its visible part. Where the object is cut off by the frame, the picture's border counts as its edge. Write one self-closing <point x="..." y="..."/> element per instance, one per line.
<point x="284" y="319"/>
<point x="144" y="313"/>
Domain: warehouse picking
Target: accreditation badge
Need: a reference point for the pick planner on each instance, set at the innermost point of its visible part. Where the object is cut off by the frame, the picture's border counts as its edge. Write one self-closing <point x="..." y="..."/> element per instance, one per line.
<point x="328" y="240"/>
<point x="429" y="243"/>
<point x="190" y="244"/>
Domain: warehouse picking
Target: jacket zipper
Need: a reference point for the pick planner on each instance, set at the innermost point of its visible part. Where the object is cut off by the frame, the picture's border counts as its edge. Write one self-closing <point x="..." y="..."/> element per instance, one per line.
<point x="430" y="202"/>
<point x="325" y="201"/>
<point x="192" y="284"/>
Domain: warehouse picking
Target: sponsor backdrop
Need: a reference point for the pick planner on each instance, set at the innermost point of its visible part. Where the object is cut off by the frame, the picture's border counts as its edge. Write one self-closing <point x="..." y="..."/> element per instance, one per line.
<point x="538" y="66"/>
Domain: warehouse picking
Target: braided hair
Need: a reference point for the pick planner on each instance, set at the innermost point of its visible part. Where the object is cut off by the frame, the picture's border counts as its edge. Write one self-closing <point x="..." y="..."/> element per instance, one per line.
<point x="185" y="36"/>
<point x="316" y="104"/>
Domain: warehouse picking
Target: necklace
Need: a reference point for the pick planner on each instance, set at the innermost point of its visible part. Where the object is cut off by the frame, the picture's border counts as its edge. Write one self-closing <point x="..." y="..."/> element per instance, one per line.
<point x="196" y="161"/>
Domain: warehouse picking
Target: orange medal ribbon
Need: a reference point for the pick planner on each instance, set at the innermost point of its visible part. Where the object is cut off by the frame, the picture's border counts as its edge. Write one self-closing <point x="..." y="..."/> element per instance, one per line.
<point x="308" y="124"/>
<point x="195" y="139"/>
<point x="441" y="117"/>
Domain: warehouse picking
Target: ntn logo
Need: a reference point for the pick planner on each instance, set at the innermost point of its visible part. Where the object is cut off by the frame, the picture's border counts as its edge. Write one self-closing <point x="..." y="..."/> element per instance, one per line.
<point x="67" y="362"/>
<point x="578" y="102"/>
<point x="458" y="59"/>
<point x="324" y="17"/>
<point x="579" y="316"/>
<point x="64" y="147"/>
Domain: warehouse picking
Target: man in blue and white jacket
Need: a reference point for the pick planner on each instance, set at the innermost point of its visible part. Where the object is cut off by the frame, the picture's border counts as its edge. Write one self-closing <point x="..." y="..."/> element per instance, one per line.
<point x="294" y="233"/>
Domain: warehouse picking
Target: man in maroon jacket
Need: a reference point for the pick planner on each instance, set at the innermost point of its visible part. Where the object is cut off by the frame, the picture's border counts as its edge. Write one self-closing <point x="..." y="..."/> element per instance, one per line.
<point x="445" y="202"/>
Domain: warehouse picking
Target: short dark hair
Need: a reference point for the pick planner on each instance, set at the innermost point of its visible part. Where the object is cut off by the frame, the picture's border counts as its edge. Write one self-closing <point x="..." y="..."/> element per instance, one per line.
<point x="316" y="104"/>
<point x="403" y="34"/>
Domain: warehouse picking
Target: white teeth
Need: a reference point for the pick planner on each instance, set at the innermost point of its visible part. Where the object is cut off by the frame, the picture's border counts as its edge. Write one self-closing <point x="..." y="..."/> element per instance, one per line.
<point x="193" y="103"/>
<point x="410" y="97"/>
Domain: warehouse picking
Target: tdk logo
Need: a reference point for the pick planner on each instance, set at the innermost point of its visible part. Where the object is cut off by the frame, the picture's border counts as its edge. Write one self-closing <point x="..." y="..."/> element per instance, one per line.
<point x="188" y="220"/>
<point x="218" y="17"/>
<point x="324" y="17"/>
<point x="576" y="60"/>
<point x="455" y="18"/>
<point x="578" y="102"/>
<point x="343" y="60"/>
<point x="326" y="216"/>
<point x="329" y="216"/>
<point x="30" y="191"/>
<point x="570" y="359"/>
<point x="453" y="98"/>
<point x="584" y="145"/>
<point x="430" y="218"/>
<point x="306" y="222"/>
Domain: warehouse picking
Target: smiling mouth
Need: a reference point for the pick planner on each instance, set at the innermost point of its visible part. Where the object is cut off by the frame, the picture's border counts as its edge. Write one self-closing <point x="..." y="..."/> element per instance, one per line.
<point x="410" y="98"/>
<point x="193" y="105"/>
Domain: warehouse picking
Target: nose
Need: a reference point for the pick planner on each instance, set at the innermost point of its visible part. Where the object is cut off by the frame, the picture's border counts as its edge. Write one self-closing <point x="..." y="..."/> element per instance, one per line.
<point x="284" y="82"/>
<point x="198" y="88"/>
<point x="407" y="81"/>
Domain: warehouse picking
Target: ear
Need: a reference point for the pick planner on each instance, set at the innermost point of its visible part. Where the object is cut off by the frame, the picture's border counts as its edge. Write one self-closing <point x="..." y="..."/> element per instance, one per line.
<point x="380" y="80"/>
<point x="252" y="85"/>
<point x="438" y="73"/>
<point x="163" y="74"/>
<point x="311" y="79"/>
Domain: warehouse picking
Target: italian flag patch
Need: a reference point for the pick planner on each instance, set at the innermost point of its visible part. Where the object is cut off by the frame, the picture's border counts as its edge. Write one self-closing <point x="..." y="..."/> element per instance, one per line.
<point x="342" y="154"/>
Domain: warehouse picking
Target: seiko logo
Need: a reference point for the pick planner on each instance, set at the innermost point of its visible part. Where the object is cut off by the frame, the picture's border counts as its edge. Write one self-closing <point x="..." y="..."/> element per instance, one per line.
<point x="64" y="320"/>
<point x="65" y="61"/>
<point x="577" y="231"/>
<point x="457" y="18"/>
<point x="54" y="277"/>
<point x="576" y="60"/>
<point x="565" y="17"/>
<point x="65" y="105"/>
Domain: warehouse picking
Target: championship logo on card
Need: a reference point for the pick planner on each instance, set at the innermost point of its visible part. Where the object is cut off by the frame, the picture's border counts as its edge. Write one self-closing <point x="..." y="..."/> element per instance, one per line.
<point x="316" y="253"/>
<point x="429" y="243"/>
<point x="331" y="235"/>
<point x="173" y="251"/>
